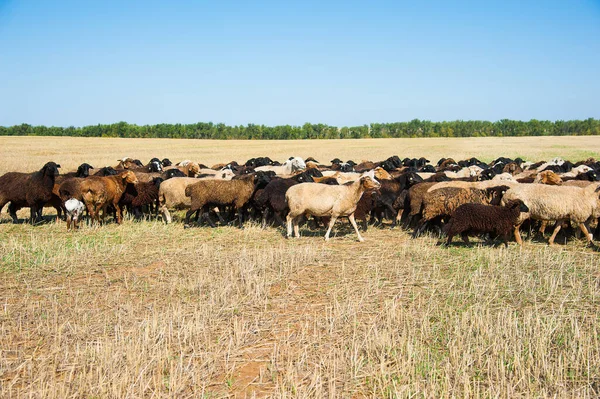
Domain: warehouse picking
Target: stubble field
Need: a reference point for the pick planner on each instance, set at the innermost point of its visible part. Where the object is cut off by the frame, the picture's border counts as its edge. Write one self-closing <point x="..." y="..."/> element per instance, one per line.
<point x="150" y="310"/>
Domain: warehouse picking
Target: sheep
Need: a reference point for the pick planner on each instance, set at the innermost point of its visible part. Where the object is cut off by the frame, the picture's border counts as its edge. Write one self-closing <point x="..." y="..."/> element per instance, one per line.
<point x="139" y="195"/>
<point x="575" y="172"/>
<point x="106" y="171"/>
<point x="74" y="210"/>
<point x="170" y="173"/>
<point x="28" y="189"/>
<point x="560" y="203"/>
<point x="99" y="192"/>
<point x="190" y="169"/>
<point x="326" y="200"/>
<point x="289" y="167"/>
<point x="223" y="192"/>
<point x="127" y="163"/>
<point x="480" y="218"/>
<point x="389" y="192"/>
<point x="171" y="195"/>
<point x="548" y="177"/>
<point x="444" y="201"/>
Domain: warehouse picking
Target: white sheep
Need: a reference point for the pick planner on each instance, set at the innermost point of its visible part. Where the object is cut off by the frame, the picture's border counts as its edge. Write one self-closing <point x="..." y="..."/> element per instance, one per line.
<point x="75" y="209"/>
<point x="325" y="200"/>
<point x="560" y="203"/>
<point x="289" y="167"/>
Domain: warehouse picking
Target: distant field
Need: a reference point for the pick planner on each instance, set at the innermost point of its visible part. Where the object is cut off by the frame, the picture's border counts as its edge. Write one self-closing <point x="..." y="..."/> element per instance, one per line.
<point x="151" y="310"/>
<point x="20" y="153"/>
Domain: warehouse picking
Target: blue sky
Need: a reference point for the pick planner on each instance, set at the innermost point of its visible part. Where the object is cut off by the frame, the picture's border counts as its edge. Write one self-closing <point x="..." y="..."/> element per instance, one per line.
<point x="290" y="62"/>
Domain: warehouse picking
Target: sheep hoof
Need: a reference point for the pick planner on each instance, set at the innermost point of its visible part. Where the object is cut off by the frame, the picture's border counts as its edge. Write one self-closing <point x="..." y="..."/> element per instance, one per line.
<point x="361" y="240"/>
<point x="186" y="226"/>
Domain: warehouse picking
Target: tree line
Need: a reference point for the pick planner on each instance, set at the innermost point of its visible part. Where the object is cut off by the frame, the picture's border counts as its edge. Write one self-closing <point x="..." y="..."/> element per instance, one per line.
<point x="414" y="128"/>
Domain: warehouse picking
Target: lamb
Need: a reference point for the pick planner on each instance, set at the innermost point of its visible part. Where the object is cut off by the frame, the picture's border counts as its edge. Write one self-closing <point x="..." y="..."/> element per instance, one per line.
<point x="326" y="200"/>
<point x="444" y="201"/>
<point x="171" y="195"/>
<point x="479" y="218"/>
<point x="28" y="189"/>
<point x="74" y="209"/>
<point x="236" y="192"/>
<point x="560" y="203"/>
<point x="100" y="192"/>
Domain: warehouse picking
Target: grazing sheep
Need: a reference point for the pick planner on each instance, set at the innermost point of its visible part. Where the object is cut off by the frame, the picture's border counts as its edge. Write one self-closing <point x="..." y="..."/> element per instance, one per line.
<point x="480" y="218"/>
<point x="100" y="192"/>
<point x="236" y="192"/>
<point x="171" y="195"/>
<point x="137" y="196"/>
<point x="559" y="203"/>
<point x="326" y="200"/>
<point x="74" y="209"/>
<point x="28" y="189"/>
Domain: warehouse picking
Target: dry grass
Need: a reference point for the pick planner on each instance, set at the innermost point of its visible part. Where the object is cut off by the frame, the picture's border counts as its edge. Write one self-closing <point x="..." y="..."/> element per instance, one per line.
<point x="148" y="310"/>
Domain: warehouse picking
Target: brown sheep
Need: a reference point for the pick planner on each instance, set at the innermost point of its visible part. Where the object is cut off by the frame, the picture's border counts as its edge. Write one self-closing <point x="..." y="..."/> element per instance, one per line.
<point x="236" y="192"/>
<point x="444" y="201"/>
<point x="100" y="192"/>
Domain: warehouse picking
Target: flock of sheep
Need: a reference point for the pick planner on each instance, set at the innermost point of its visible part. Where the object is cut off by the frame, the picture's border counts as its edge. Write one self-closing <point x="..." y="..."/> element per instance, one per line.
<point x="458" y="198"/>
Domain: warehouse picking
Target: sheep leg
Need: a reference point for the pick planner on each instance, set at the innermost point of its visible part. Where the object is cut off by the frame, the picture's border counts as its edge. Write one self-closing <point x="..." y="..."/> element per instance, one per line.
<point x="265" y="215"/>
<point x="557" y="227"/>
<point x="351" y="218"/>
<point x="207" y="213"/>
<point x="420" y="228"/>
<point x="518" y="235"/>
<point x="240" y="213"/>
<point x="331" y="223"/>
<point x="119" y="213"/>
<point x="399" y="217"/>
<point x="278" y="219"/>
<point x="289" y="219"/>
<point x="188" y="215"/>
<point x="586" y="232"/>
<point x="12" y="210"/>
<point x="465" y="237"/>
<point x="543" y="227"/>
<point x="297" y="225"/>
<point x="449" y="240"/>
<point x="165" y="214"/>
<point x="69" y="222"/>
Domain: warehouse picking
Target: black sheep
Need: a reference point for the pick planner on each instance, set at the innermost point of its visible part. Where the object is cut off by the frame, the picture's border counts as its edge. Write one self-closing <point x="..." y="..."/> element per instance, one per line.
<point x="28" y="189"/>
<point x="272" y="197"/>
<point x="477" y="218"/>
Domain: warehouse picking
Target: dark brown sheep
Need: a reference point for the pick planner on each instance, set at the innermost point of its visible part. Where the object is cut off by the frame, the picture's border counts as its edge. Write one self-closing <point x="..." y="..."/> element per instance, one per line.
<point x="31" y="190"/>
<point x="235" y="192"/>
<point x="444" y="201"/>
<point x="137" y="196"/>
<point x="478" y="218"/>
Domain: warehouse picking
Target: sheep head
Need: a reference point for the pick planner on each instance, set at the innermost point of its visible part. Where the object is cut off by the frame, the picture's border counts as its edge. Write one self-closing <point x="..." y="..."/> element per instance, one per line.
<point x="548" y="177"/>
<point x="129" y="177"/>
<point x="369" y="184"/>
<point x="50" y="169"/>
<point x="382" y="174"/>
